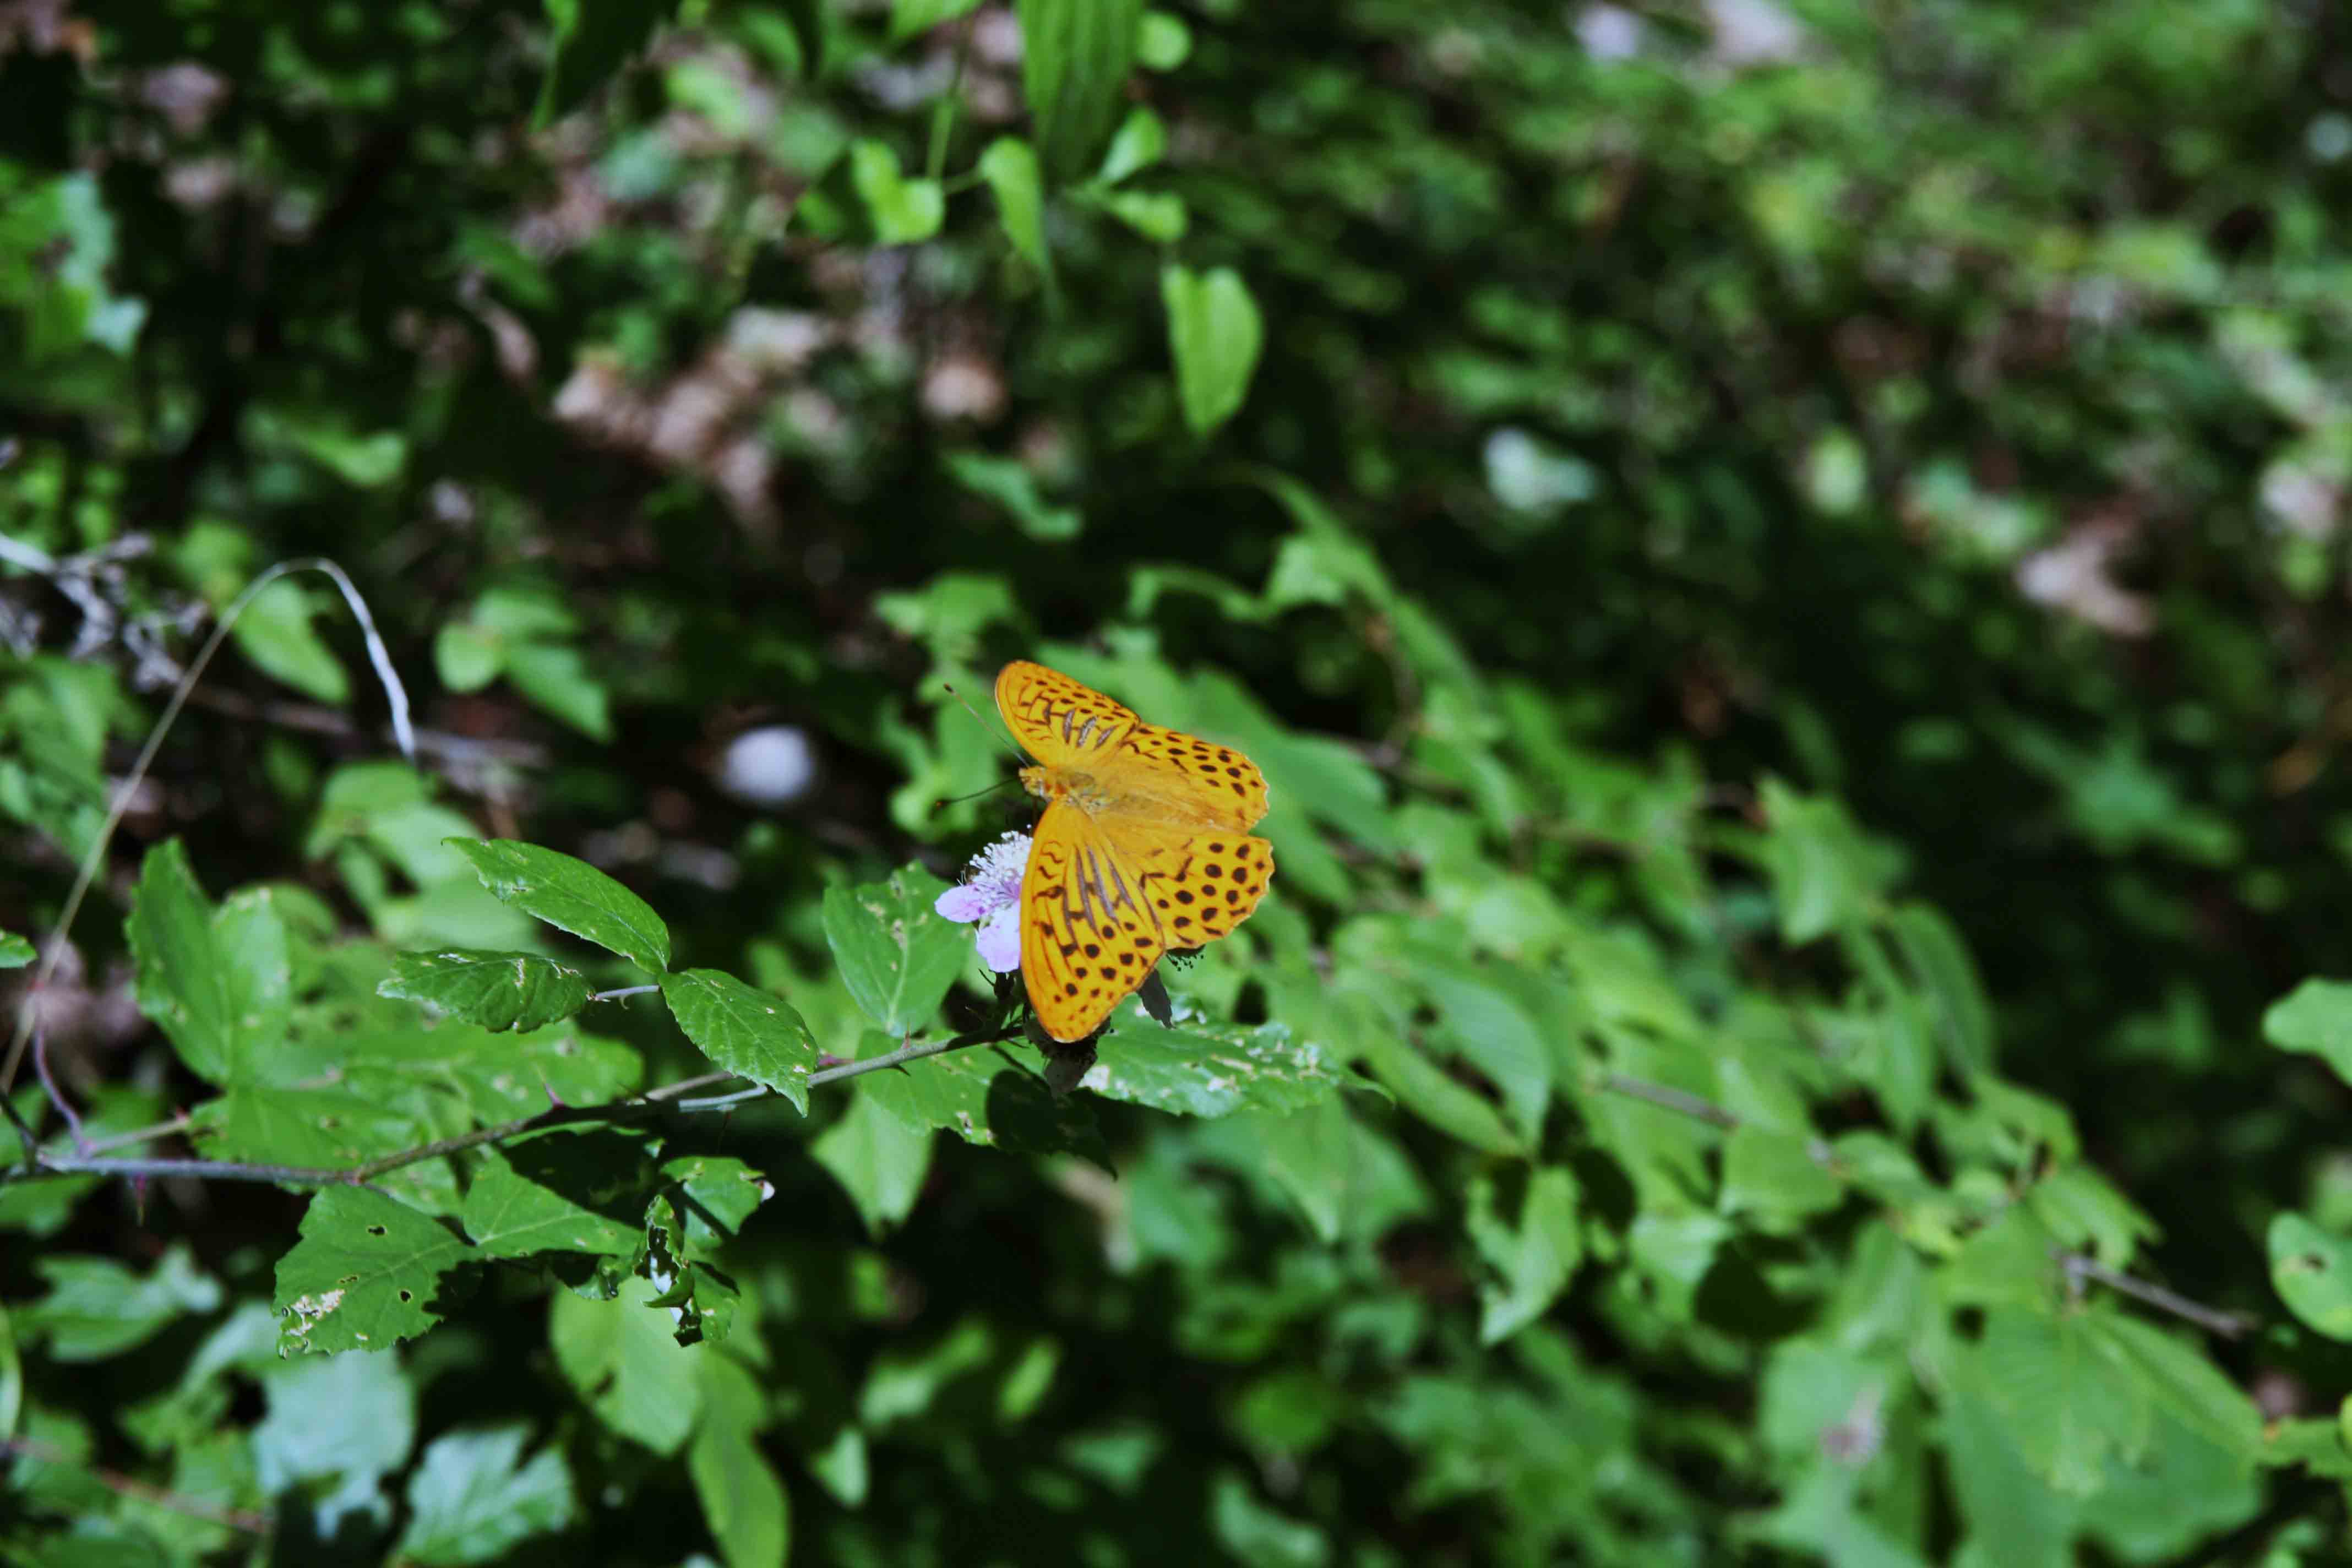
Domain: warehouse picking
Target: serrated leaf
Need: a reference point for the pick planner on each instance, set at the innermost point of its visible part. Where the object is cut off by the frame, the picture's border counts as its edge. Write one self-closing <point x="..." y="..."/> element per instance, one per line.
<point x="985" y="1098"/>
<point x="559" y="1192"/>
<point x="571" y="895"/>
<point x="895" y="953"/>
<point x="1214" y="333"/>
<point x="321" y="1128"/>
<point x="95" y="1308"/>
<point x="2311" y="1272"/>
<point x="749" y="1032"/>
<point x="499" y="991"/>
<point x="470" y="1500"/>
<point x="2314" y="1018"/>
<point x="2181" y="1381"/>
<point x="365" y="1274"/>
<point x="1533" y="1253"/>
<point x="1210" y="1070"/>
<point x="621" y="1358"/>
<point x="2067" y="1403"/>
<point x="217" y="982"/>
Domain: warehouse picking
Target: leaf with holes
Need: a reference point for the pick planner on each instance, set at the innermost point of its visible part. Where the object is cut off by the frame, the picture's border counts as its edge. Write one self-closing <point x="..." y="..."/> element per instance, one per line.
<point x="1200" y="1069"/>
<point x="2312" y="1272"/>
<point x="746" y="1031"/>
<point x="499" y="991"/>
<point x="570" y="895"/>
<point x="365" y="1275"/>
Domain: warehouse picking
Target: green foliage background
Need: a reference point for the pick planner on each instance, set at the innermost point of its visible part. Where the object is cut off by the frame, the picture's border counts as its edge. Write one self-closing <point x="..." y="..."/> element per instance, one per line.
<point x="1784" y="561"/>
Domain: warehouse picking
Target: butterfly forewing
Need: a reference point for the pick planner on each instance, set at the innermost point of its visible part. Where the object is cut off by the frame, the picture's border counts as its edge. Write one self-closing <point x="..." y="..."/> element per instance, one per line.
<point x="1223" y="787"/>
<point x="1056" y="720"/>
<point x="1087" y="932"/>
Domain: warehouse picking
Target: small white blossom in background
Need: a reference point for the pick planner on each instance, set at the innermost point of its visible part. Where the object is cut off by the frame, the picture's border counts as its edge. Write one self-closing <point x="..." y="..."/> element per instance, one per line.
<point x="990" y="896"/>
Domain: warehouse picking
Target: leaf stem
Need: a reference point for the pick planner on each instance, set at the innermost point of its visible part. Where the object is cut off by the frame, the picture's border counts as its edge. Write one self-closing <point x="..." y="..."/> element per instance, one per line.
<point x="624" y="990"/>
<point x="2229" y="1325"/>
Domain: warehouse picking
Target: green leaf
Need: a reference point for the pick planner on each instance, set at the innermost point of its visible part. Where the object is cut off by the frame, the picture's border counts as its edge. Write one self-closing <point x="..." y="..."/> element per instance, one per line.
<point x="1933" y="949"/>
<point x="471" y="1502"/>
<point x="351" y="1417"/>
<point x="1200" y="1069"/>
<point x="365" y="1275"/>
<point x="1214" y="333"/>
<point x="97" y="1309"/>
<point x="985" y="1098"/>
<point x="1823" y="879"/>
<point x="1010" y="167"/>
<point x="1158" y="216"/>
<point x="710" y="1195"/>
<point x="554" y="677"/>
<point x="1533" y="1253"/>
<point x="620" y="1357"/>
<point x="743" y="1499"/>
<point x="14" y="951"/>
<point x="2068" y="1405"/>
<point x="2311" y="1272"/>
<point x="329" y="1128"/>
<point x="498" y="1077"/>
<point x="2314" y="1018"/>
<point x="909" y="17"/>
<point x="592" y="39"/>
<point x="2181" y="1381"/>
<point x="877" y="1159"/>
<point x="571" y="895"/>
<point x="1429" y="1092"/>
<point x="276" y="633"/>
<point x="217" y="983"/>
<point x="903" y="211"/>
<point x="1008" y="482"/>
<point x="496" y="990"/>
<point x="1141" y="142"/>
<point x="560" y="1192"/>
<point x="1075" y="57"/>
<point x="467" y="658"/>
<point x="895" y="952"/>
<point x="1162" y="41"/>
<point x="1775" y="1178"/>
<point x="748" y="1032"/>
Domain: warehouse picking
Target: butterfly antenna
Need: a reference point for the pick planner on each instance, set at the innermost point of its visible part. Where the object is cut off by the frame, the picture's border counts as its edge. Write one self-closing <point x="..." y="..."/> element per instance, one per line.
<point x="960" y="799"/>
<point x="984" y="724"/>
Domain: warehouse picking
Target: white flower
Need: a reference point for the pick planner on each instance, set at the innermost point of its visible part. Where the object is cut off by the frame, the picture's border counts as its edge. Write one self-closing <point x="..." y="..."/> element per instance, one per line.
<point x="990" y="896"/>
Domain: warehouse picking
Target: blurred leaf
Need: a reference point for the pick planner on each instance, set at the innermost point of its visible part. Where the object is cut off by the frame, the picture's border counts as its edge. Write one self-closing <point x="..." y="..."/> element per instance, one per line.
<point x="904" y="211"/>
<point x="1774" y="1178"/>
<point x="346" y="1418"/>
<point x="1075" y="57"/>
<point x="879" y="1161"/>
<point x="1214" y="333"/>
<point x="1008" y="482"/>
<point x="15" y="952"/>
<point x="747" y="1032"/>
<point x="909" y="17"/>
<point x="1010" y="167"/>
<point x="620" y="1358"/>
<point x="96" y="1308"/>
<point x="1533" y="1253"/>
<point x="276" y="633"/>
<point x="743" y="1499"/>
<point x="2066" y="1404"/>
<point x="1141" y="141"/>
<point x="1158" y="216"/>
<point x="572" y="896"/>
<point x="496" y="990"/>
<point x="1162" y="42"/>
<point x="591" y="40"/>
<point x="2315" y="1018"/>
<point x="365" y="1275"/>
<point x="897" y="954"/>
<point x="554" y="677"/>
<point x="470" y="1500"/>
<point x="467" y="657"/>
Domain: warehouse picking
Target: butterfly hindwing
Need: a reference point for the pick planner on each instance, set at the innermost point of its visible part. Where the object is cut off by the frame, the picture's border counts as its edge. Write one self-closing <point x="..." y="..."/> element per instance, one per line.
<point x="1058" y="721"/>
<point x="1087" y="934"/>
<point x="1199" y="884"/>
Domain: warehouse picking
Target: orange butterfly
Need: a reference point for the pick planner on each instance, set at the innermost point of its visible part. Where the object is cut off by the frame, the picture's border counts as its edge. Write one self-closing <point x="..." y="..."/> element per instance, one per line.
<point x="1144" y="846"/>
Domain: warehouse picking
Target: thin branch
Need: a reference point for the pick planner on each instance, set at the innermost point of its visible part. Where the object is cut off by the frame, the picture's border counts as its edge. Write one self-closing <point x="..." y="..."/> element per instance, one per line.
<point x="624" y="990"/>
<point x="115" y="1481"/>
<point x="56" y="1096"/>
<point x="143" y="1135"/>
<point x="395" y="693"/>
<point x="669" y="1096"/>
<point x="2229" y="1325"/>
<point x="1672" y="1099"/>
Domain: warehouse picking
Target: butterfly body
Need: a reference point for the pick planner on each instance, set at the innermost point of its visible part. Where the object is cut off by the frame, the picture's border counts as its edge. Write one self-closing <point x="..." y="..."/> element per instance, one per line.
<point x="1144" y="846"/>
